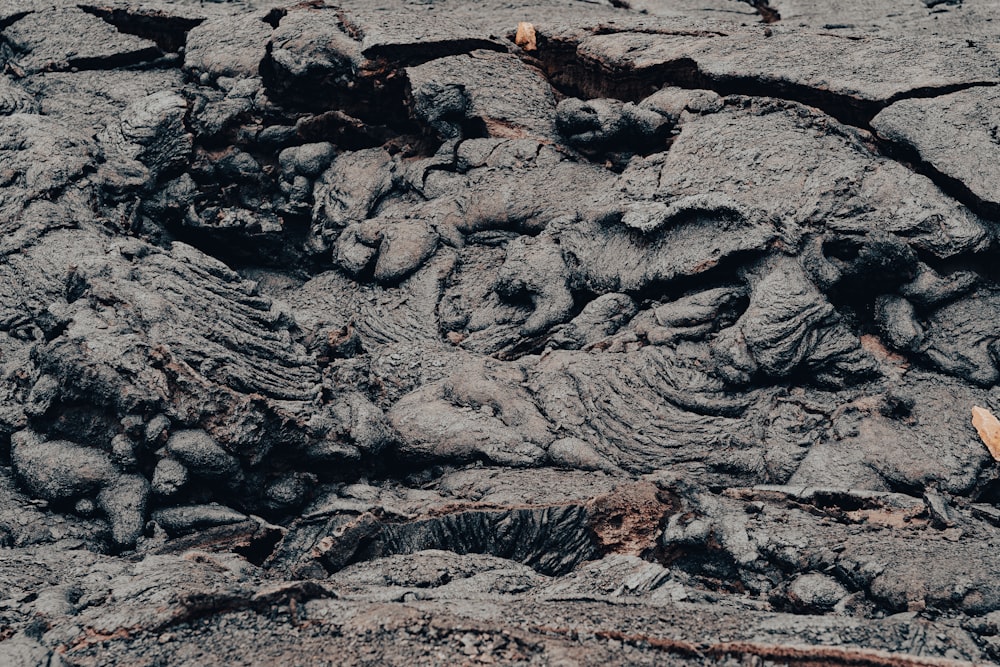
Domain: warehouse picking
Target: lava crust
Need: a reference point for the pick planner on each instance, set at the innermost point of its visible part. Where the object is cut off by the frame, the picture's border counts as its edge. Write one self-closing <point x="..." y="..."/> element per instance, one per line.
<point x="572" y="332"/>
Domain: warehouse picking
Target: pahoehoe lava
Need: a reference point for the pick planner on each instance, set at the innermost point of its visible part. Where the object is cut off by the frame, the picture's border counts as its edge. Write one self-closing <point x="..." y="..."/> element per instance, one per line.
<point x="571" y="332"/>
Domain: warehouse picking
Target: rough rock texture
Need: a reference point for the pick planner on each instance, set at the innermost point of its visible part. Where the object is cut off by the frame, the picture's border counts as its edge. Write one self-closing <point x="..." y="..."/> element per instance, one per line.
<point x="540" y="333"/>
<point x="935" y="129"/>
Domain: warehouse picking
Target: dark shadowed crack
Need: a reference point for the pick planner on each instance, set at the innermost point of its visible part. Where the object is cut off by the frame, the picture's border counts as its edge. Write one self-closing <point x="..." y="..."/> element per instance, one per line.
<point x="575" y="74"/>
<point x="12" y="18"/>
<point x="169" y="32"/>
<point x="950" y="185"/>
<point x="578" y="74"/>
<point x="46" y="41"/>
<point x="768" y="14"/>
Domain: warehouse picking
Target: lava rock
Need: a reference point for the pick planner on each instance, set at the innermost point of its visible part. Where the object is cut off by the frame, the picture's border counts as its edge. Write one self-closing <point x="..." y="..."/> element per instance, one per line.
<point x="200" y="453"/>
<point x="229" y="47"/>
<point x="956" y="135"/>
<point x="169" y="477"/>
<point x="124" y="503"/>
<point x="68" y="37"/>
<point x="815" y="593"/>
<point x="486" y="92"/>
<point x="57" y="469"/>
<point x="183" y="519"/>
<point x="603" y="124"/>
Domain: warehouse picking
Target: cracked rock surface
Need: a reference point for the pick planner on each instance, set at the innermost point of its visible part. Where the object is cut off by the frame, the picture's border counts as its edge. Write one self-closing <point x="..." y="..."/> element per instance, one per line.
<point x="573" y="332"/>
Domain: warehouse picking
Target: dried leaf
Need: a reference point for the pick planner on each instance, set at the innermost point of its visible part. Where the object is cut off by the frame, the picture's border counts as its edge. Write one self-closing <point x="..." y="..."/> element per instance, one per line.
<point x="988" y="427"/>
<point x="525" y="37"/>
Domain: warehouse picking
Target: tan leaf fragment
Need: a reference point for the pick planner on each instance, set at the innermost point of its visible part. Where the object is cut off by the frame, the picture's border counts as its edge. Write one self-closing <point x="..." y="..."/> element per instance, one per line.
<point x="988" y="427"/>
<point x="525" y="37"/>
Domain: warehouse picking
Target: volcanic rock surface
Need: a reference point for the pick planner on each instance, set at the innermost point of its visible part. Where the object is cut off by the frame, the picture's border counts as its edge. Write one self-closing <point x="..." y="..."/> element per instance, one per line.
<point x="573" y="332"/>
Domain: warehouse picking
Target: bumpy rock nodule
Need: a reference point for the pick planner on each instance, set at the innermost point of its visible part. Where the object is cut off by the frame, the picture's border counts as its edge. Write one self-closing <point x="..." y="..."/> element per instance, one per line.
<point x="366" y="312"/>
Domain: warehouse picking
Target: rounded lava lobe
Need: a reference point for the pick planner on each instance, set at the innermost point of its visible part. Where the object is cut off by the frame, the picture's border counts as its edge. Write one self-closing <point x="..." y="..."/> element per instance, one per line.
<point x="57" y="470"/>
<point x="200" y="453"/>
<point x="169" y="477"/>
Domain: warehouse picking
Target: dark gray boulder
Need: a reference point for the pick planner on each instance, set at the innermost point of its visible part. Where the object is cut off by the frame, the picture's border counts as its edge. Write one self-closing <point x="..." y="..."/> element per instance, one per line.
<point x="59" y="470"/>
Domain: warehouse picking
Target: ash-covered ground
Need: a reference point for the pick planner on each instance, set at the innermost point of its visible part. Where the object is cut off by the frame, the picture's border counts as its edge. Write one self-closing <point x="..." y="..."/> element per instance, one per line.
<point x="569" y="332"/>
